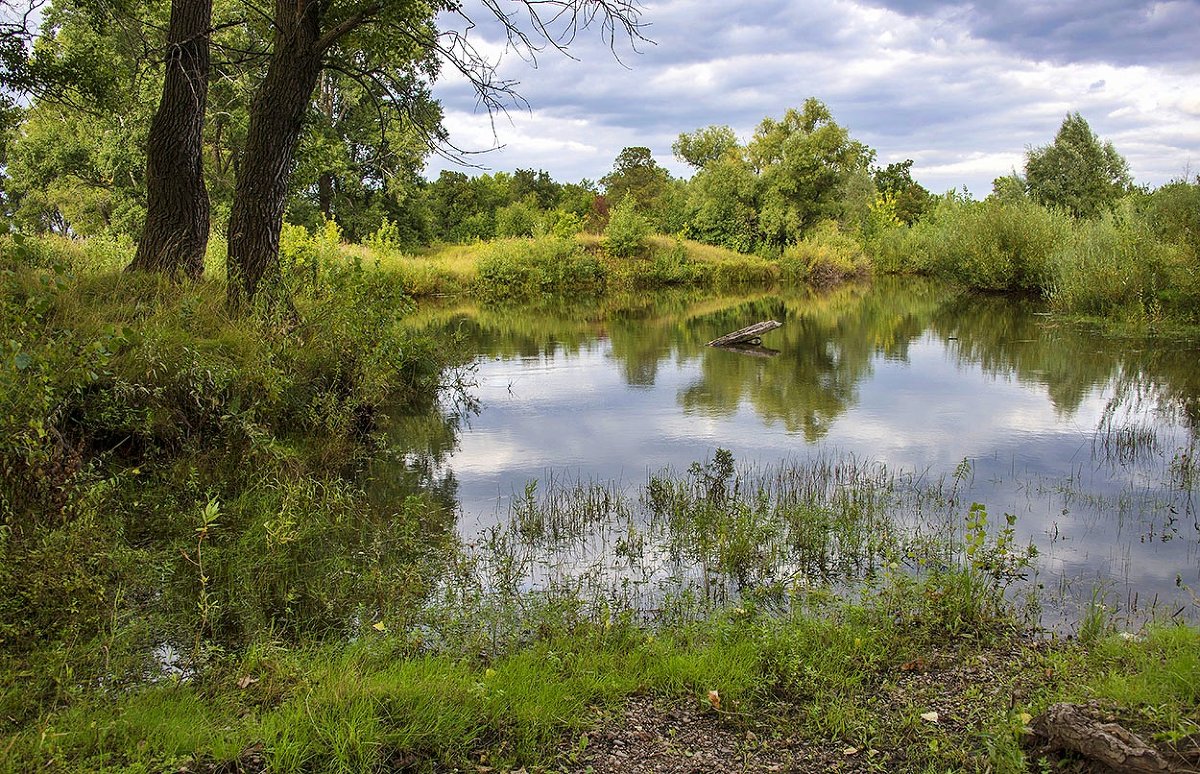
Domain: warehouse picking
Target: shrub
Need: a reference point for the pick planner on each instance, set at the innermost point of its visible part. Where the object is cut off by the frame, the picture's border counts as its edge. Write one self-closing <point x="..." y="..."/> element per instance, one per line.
<point x="627" y="230"/>
<point x="386" y="239"/>
<point x="516" y="220"/>
<point x="1116" y="267"/>
<point x="825" y="257"/>
<point x="989" y="245"/>
<point x="517" y="267"/>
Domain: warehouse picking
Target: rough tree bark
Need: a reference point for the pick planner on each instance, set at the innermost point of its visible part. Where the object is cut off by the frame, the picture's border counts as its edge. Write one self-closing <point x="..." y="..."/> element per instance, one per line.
<point x="177" y="215"/>
<point x="276" y="116"/>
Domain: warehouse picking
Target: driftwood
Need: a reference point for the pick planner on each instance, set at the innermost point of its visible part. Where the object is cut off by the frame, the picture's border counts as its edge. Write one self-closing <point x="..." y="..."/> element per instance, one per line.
<point x="1068" y="727"/>
<point x="751" y="334"/>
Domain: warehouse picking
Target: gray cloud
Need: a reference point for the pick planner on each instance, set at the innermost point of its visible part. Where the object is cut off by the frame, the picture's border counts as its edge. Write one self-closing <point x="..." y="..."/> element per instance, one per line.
<point x="952" y="88"/>
<point x="1115" y="31"/>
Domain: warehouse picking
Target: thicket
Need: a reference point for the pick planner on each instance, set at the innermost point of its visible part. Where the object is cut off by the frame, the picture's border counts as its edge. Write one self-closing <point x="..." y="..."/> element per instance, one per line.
<point x="1136" y="263"/>
<point x="179" y="481"/>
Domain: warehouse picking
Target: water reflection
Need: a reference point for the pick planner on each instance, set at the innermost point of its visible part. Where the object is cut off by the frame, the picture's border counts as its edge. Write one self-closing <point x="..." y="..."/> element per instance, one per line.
<point x="1088" y="440"/>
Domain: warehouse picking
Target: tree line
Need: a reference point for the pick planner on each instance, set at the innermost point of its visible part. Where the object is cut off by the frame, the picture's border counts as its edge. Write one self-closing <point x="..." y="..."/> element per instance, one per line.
<point x="310" y="111"/>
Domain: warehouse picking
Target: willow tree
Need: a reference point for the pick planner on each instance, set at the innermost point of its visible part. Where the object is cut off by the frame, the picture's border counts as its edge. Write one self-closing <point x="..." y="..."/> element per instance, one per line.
<point x="392" y="44"/>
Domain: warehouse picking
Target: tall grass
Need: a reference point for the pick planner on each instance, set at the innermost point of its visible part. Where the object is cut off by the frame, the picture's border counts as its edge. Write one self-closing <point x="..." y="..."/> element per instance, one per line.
<point x="1137" y="264"/>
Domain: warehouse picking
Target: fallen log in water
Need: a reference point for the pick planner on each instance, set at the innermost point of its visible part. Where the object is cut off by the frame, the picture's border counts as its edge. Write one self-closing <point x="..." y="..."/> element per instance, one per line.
<point x="751" y="334"/>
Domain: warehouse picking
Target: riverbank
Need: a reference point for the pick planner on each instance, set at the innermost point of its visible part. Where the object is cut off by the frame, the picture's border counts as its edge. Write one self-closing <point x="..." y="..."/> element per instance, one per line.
<point x="197" y="565"/>
<point x="851" y="688"/>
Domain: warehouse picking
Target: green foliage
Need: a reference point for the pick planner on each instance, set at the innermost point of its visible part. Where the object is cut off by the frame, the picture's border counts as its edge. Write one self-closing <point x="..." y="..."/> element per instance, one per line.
<point x="386" y="240"/>
<point x="804" y="162"/>
<point x="1076" y="173"/>
<point x="991" y="245"/>
<point x="352" y="169"/>
<point x="521" y="267"/>
<point x="909" y="197"/>
<point x="1009" y="188"/>
<point x="627" y="230"/>
<point x="560" y="223"/>
<point x="1172" y="212"/>
<point x="305" y="259"/>
<point x="722" y="205"/>
<point x="518" y="219"/>
<point x="825" y="257"/>
<point x="635" y="173"/>
<point x="1116" y="267"/>
<point x="130" y="405"/>
<point x="705" y="146"/>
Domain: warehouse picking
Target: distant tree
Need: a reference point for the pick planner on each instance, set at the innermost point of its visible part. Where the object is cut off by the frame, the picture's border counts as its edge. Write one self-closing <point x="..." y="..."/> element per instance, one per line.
<point x="722" y="204"/>
<point x="1009" y="188"/>
<point x="909" y="197"/>
<point x="75" y="163"/>
<point x="1077" y="172"/>
<point x="358" y="167"/>
<point x="517" y="219"/>
<point x="577" y="198"/>
<point x="636" y="173"/>
<point x="464" y="208"/>
<point x="705" y="146"/>
<point x="538" y="184"/>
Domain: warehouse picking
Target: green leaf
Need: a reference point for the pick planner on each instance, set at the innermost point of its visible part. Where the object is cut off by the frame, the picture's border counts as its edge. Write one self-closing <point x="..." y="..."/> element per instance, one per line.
<point x="23" y="360"/>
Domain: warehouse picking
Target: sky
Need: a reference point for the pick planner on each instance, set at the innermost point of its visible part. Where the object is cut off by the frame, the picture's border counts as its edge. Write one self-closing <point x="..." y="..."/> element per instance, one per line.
<point x="962" y="89"/>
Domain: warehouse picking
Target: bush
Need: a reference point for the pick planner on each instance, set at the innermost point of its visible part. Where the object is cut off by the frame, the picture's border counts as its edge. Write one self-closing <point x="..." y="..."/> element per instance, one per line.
<point x="385" y="240"/>
<point x="1116" y="267"/>
<point x="305" y="258"/>
<point x="128" y="403"/>
<point x="825" y="257"/>
<point x="516" y="220"/>
<point x="989" y="245"/>
<point x="627" y="230"/>
<point x="517" y="267"/>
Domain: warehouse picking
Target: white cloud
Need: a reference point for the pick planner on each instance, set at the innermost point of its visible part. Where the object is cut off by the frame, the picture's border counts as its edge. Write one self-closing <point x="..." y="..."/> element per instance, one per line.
<point x="961" y="92"/>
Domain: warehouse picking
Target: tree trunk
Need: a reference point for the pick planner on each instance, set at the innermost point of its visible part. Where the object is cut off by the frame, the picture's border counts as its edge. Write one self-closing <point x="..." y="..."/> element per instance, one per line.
<point x="276" y="116"/>
<point x="325" y="194"/>
<point x="177" y="214"/>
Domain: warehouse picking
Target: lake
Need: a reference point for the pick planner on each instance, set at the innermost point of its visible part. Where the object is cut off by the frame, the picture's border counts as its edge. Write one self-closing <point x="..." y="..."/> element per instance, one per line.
<point x="1089" y="441"/>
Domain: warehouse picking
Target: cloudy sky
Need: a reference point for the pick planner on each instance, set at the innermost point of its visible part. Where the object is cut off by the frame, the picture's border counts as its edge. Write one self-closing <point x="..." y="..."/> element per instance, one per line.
<point x="962" y="89"/>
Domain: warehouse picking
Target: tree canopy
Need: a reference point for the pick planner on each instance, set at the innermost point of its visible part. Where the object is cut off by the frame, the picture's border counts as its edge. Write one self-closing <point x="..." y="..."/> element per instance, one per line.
<point x="1076" y="172"/>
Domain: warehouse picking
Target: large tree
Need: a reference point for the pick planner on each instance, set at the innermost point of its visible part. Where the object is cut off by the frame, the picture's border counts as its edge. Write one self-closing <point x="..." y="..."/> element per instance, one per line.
<point x="808" y="167"/>
<point x="1077" y="172"/>
<point x="368" y="38"/>
<point x="177" y="208"/>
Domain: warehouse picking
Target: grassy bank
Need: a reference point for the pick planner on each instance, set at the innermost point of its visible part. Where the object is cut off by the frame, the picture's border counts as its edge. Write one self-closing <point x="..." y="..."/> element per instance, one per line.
<point x="584" y="263"/>
<point x="193" y="567"/>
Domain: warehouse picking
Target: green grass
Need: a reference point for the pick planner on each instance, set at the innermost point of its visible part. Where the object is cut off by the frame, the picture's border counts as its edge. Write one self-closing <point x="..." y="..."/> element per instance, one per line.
<point x="174" y="476"/>
<point x="832" y="673"/>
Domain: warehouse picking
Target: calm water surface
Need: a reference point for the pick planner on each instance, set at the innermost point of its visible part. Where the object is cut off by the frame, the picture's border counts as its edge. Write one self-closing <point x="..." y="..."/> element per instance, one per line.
<point x="1088" y="440"/>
